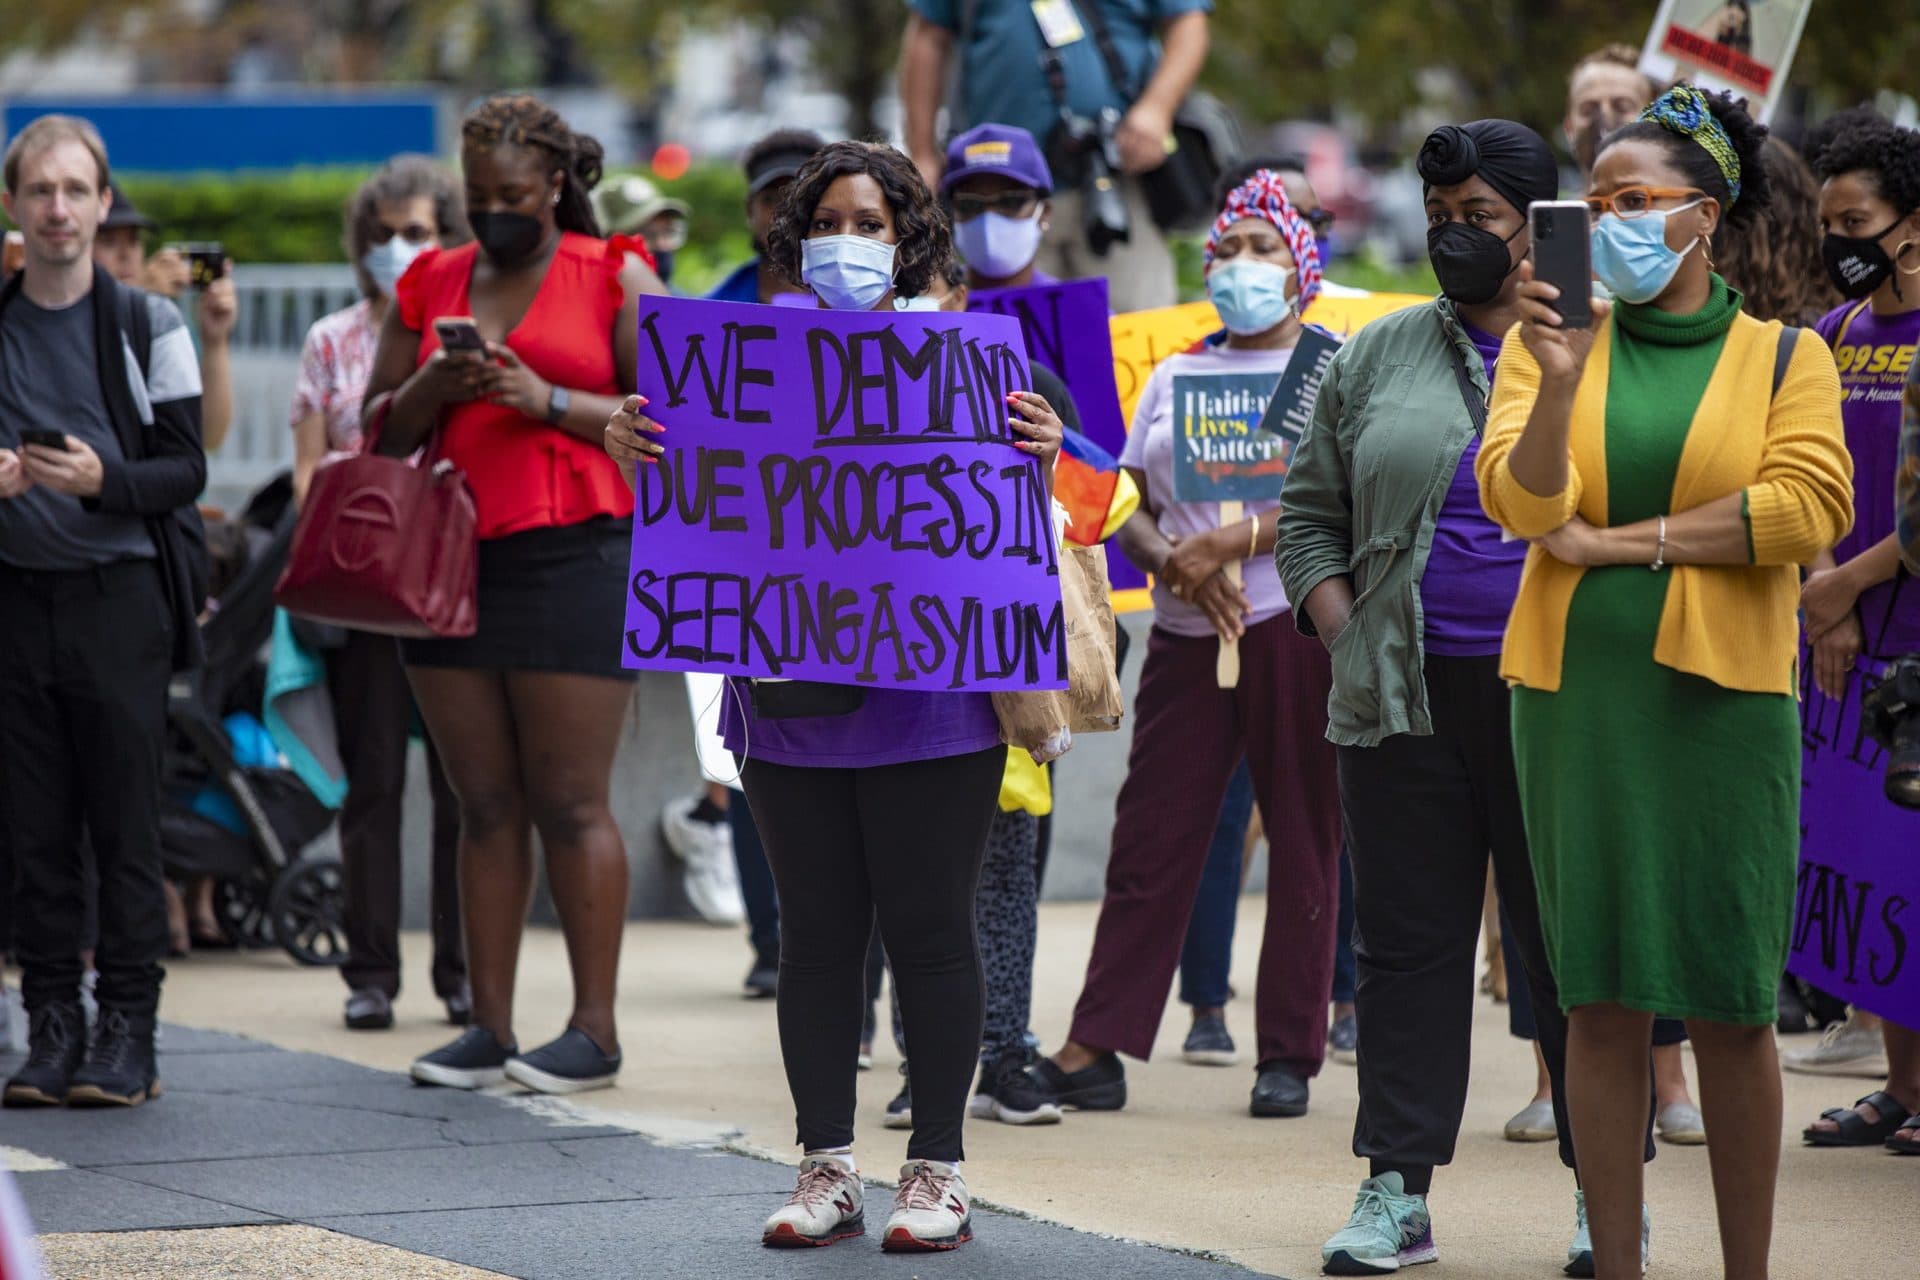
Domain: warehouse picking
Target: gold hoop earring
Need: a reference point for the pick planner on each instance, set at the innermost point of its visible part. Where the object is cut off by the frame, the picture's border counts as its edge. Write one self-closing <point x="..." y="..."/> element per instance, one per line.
<point x="1706" y="249"/>
<point x="1904" y="246"/>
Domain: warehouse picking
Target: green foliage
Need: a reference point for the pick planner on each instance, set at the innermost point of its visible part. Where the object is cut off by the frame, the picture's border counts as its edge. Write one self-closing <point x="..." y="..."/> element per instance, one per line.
<point x="296" y="216"/>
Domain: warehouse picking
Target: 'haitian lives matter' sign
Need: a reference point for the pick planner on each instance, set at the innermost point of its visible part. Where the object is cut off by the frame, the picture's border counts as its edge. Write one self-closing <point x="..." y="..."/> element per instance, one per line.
<point x="840" y="500"/>
<point x="1856" y="919"/>
<point x="1235" y="433"/>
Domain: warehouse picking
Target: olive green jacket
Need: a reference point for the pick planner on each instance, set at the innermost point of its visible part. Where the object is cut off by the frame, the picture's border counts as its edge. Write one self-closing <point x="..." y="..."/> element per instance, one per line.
<point x="1362" y="495"/>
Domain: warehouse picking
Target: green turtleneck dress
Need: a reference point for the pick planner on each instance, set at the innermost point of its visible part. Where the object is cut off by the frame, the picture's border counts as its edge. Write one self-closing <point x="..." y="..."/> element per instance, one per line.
<point x="1662" y="809"/>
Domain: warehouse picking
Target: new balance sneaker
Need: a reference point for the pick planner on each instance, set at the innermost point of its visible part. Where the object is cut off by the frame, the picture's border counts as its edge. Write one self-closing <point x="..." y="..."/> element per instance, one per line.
<point x="827" y="1205"/>
<point x="1853" y="1048"/>
<point x="1343" y="1040"/>
<point x="1208" y="1043"/>
<point x="473" y="1061"/>
<point x="1388" y="1230"/>
<point x="571" y="1064"/>
<point x="932" y="1212"/>
<point x="1008" y="1094"/>
<point x="120" y="1070"/>
<point x="698" y="834"/>
<point x="1580" y="1252"/>
<point x="56" y="1046"/>
<point x="900" y="1110"/>
<point x="1100" y="1087"/>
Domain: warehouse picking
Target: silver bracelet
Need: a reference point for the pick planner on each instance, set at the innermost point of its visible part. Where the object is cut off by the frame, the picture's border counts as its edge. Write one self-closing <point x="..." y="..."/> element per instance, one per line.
<point x="1660" y="552"/>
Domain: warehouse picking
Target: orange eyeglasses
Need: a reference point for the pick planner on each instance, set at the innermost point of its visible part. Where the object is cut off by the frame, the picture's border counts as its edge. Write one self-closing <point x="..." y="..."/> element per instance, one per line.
<point x="1635" y="202"/>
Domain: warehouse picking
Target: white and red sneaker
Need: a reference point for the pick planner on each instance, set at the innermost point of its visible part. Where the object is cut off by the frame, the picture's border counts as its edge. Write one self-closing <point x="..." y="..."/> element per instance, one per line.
<point x="825" y="1207"/>
<point x="932" y="1212"/>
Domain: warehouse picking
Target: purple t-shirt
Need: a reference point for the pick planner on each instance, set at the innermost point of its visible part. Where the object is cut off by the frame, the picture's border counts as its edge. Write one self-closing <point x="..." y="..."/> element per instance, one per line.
<point x="1472" y="575"/>
<point x="892" y="726"/>
<point x="1874" y="354"/>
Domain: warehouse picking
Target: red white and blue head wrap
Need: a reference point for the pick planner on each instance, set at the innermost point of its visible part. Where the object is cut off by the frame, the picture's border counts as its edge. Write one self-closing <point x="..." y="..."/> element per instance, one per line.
<point x="1264" y="196"/>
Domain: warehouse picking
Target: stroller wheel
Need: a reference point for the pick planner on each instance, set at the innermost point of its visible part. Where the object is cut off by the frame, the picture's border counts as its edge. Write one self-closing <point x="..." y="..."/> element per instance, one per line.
<point x="241" y="906"/>
<point x="306" y="908"/>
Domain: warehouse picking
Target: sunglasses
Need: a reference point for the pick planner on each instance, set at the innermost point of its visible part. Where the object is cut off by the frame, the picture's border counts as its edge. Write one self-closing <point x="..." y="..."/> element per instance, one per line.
<point x="1008" y="204"/>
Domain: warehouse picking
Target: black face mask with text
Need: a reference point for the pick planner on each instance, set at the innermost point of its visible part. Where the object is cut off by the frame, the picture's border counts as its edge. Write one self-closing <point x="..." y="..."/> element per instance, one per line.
<point x="507" y="238"/>
<point x="1470" y="262"/>
<point x="1857" y="265"/>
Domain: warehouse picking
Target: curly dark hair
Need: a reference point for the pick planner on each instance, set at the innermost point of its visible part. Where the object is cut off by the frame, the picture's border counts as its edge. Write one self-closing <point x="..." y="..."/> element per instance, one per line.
<point x="1748" y="136"/>
<point x="925" y="241"/>
<point x="1776" y="263"/>
<point x="522" y="120"/>
<point x="1864" y="141"/>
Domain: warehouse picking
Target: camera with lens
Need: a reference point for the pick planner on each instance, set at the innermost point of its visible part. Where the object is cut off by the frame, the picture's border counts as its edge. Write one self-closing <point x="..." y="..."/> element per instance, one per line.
<point x="1088" y="152"/>
<point x="1890" y="713"/>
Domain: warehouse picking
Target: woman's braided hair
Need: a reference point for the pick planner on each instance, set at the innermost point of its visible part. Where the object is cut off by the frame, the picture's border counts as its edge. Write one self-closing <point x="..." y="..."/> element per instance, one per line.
<point x="522" y="120"/>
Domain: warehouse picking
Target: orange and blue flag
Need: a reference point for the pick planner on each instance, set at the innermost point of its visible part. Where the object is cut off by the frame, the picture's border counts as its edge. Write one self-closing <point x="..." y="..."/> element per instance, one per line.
<point x="1088" y="482"/>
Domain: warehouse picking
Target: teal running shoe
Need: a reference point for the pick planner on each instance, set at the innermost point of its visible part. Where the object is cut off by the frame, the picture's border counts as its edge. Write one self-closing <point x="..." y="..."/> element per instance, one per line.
<point x="1388" y="1230"/>
<point x="1580" y="1252"/>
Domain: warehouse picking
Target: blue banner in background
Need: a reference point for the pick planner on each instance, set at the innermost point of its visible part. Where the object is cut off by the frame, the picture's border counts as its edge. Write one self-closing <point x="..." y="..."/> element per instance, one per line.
<point x="217" y="132"/>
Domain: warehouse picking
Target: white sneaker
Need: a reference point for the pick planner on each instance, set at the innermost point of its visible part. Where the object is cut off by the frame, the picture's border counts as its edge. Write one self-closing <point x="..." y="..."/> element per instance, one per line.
<point x="932" y="1212"/>
<point x="1849" y="1049"/>
<point x="712" y="882"/>
<point x="826" y="1206"/>
<point x="1580" y="1252"/>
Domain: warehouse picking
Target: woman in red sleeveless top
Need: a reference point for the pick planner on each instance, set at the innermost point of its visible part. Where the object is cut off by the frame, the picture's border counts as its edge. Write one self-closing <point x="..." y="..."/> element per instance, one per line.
<point x="527" y="711"/>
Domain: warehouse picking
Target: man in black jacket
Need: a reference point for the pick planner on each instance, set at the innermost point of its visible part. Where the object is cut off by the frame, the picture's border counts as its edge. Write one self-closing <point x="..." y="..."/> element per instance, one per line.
<point x="101" y="572"/>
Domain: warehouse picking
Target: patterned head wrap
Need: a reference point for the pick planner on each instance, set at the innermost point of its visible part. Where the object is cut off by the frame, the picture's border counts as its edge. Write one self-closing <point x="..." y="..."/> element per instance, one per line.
<point x="1683" y="110"/>
<point x="1263" y="196"/>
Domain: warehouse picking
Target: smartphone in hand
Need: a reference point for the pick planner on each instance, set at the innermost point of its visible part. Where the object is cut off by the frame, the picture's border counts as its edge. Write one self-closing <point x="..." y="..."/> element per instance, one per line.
<point x="206" y="261"/>
<point x="459" y="334"/>
<point x="56" y="440"/>
<point x="1563" y="256"/>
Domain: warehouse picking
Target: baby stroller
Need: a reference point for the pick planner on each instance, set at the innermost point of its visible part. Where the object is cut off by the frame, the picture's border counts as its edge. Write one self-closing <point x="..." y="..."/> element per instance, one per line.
<point x="246" y="824"/>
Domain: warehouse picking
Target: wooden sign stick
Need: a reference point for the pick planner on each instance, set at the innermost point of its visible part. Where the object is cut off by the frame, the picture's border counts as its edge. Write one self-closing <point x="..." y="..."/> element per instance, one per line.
<point x="1227" y="669"/>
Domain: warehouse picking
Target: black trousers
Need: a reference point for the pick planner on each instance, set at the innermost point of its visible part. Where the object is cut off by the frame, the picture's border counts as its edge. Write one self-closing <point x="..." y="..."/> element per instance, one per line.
<point x="1422" y="814"/>
<point x="373" y="711"/>
<point x="902" y="843"/>
<point x="85" y="658"/>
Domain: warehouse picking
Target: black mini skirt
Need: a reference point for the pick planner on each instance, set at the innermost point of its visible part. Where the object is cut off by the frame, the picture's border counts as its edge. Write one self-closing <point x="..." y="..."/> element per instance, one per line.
<point x="551" y="599"/>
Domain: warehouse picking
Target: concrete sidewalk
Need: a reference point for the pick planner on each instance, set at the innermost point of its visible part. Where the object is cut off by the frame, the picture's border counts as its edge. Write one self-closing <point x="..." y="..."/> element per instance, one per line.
<point x="1184" y="1166"/>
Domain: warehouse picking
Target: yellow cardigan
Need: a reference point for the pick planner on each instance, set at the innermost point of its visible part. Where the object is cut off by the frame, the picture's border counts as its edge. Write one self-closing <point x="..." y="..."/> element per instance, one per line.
<point x="1736" y="625"/>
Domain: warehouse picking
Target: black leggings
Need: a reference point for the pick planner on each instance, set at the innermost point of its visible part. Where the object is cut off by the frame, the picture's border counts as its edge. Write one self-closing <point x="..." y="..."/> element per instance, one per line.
<point x="904" y="843"/>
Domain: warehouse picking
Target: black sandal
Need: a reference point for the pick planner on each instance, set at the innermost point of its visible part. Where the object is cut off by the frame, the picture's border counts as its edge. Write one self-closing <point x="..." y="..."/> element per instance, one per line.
<point x="1853" y="1130"/>
<point x="1906" y="1146"/>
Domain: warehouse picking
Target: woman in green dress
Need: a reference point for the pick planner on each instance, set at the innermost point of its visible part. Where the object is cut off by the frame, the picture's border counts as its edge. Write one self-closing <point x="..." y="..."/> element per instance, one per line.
<point x="1674" y="464"/>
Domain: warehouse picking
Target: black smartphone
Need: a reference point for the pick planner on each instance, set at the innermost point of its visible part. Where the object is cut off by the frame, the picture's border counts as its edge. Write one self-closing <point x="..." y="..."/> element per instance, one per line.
<point x="1563" y="256"/>
<point x="45" y="439"/>
<point x="459" y="333"/>
<point x="206" y="261"/>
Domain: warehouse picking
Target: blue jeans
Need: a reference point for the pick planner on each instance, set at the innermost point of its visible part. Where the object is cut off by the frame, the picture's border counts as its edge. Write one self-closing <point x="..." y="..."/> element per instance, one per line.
<point x="1206" y="960"/>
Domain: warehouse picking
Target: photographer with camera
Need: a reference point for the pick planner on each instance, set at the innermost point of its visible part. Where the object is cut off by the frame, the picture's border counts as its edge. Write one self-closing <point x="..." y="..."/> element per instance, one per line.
<point x="1099" y="82"/>
<point x="1857" y="601"/>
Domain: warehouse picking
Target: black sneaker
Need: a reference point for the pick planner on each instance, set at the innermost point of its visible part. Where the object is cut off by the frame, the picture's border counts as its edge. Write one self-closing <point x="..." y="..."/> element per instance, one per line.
<point x="1209" y="1044"/>
<point x="120" y="1070"/>
<point x="900" y="1110"/>
<point x="56" y="1045"/>
<point x="763" y="980"/>
<point x="473" y="1061"/>
<point x="1009" y="1095"/>
<point x="1278" y="1091"/>
<point x="571" y="1064"/>
<point x="1100" y="1087"/>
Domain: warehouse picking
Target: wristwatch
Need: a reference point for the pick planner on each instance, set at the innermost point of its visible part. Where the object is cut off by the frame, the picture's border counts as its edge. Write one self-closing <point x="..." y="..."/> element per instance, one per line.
<point x="557" y="401"/>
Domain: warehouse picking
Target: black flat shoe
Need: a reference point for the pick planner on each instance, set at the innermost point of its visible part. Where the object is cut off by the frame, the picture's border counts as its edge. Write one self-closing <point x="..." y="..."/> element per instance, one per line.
<point x="459" y="1007"/>
<point x="369" y="1009"/>
<point x="1100" y="1087"/>
<point x="1278" y="1091"/>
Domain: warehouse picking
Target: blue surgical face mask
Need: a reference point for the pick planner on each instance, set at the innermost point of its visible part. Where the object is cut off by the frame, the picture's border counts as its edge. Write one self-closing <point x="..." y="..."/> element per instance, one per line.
<point x="1631" y="257"/>
<point x="997" y="246"/>
<point x="848" y="273"/>
<point x="386" y="263"/>
<point x="1251" y="296"/>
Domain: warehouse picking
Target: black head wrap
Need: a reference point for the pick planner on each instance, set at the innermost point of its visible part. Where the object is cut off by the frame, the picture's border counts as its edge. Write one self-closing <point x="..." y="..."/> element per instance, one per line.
<point x="1509" y="157"/>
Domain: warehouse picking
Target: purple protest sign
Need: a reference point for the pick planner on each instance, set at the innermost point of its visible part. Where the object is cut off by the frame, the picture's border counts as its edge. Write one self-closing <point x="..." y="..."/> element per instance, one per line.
<point x="1067" y="326"/>
<point x="840" y="500"/>
<point x="1854" y="921"/>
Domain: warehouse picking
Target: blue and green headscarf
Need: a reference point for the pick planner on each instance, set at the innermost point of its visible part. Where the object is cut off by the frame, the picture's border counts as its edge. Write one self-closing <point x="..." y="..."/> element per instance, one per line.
<point x="1683" y="110"/>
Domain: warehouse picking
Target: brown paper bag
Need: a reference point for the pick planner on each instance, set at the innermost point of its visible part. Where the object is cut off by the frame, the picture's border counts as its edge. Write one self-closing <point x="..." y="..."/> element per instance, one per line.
<point x="1092" y="702"/>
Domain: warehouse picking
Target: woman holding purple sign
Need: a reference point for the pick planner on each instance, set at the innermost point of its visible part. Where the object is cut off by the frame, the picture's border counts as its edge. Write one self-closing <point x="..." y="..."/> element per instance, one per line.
<point x="1190" y="733"/>
<point x="872" y="802"/>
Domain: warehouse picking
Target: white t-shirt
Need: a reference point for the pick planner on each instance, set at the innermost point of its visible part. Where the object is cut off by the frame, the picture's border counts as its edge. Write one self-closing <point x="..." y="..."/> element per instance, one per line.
<point x="1150" y="449"/>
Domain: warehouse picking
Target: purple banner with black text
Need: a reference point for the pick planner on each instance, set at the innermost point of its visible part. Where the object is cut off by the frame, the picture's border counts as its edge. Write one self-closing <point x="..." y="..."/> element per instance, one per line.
<point x="840" y="500"/>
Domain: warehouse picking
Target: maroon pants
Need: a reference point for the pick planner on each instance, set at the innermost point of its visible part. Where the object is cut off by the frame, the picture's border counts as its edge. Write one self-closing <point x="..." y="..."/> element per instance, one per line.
<point x="1188" y="736"/>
